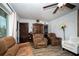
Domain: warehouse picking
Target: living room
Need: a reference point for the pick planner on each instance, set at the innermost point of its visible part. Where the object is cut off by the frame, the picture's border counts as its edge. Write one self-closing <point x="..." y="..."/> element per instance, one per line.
<point x="40" y="29"/>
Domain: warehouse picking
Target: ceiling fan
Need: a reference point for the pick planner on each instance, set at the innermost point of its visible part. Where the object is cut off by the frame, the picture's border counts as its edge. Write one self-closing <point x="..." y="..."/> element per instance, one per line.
<point x="60" y="5"/>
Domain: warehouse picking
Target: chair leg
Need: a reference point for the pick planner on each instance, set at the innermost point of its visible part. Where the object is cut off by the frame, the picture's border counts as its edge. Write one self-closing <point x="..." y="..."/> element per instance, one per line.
<point x="63" y="49"/>
<point x="76" y="54"/>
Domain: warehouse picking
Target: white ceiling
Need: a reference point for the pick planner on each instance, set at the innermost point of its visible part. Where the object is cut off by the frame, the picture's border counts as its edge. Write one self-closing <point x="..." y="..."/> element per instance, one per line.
<point x="36" y="11"/>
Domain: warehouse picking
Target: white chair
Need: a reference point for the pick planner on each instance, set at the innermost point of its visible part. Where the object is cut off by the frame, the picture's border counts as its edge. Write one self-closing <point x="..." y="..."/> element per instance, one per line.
<point x="72" y="44"/>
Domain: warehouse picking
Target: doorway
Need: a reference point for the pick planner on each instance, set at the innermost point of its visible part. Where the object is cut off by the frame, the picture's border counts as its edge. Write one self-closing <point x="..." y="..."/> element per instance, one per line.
<point x="23" y="32"/>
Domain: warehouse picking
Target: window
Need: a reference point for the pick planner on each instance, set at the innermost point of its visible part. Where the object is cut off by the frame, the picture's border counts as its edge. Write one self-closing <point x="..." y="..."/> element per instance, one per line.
<point x="3" y="23"/>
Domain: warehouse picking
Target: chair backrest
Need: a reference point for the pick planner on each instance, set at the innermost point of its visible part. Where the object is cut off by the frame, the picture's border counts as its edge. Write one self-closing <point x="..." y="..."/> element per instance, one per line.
<point x="52" y="35"/>
<point x="3" y="47"/>
<point x="74" y="39"/>
<point x="9" y="41"/>
<point x="38" y="37"/>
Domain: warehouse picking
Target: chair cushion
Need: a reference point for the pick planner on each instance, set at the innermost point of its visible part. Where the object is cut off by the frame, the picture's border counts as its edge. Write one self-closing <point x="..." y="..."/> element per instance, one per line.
<point x="21" y="45"/>
<point x="9" y="41"/>
<point x="3" y="48"/>
<point x="25" y="51"/>
<point x="12" y="51"/>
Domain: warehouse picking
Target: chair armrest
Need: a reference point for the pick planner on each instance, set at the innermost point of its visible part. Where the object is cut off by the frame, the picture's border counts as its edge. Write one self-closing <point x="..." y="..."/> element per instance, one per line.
<point x="24" y="44"/>
<point x="25" y="49"/>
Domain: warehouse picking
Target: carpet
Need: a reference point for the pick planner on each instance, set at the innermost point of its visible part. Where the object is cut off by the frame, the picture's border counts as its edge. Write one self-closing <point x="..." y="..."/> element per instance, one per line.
<point x="51" y="51"/>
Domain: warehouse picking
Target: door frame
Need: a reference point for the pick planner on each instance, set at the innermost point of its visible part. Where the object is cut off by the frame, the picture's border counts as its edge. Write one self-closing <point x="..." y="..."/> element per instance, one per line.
<point x="17" y="31"/>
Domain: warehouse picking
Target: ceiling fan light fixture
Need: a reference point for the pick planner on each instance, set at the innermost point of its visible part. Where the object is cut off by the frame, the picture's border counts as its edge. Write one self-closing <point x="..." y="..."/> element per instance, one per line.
<point x="61" y="4"/>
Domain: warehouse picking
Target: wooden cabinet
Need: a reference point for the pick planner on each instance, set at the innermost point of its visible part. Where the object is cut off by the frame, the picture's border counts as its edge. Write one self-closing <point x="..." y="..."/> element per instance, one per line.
<point x="38" y="28"/>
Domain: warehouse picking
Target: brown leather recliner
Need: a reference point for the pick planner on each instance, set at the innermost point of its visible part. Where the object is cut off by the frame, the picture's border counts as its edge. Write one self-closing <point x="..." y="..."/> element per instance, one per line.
<point x="8" y="47"/>
<point x="55" y="41"/>
<point x="39" y="41"/>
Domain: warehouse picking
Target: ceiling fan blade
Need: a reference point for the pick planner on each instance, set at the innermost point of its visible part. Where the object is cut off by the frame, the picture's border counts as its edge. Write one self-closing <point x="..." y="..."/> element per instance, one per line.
<point x="71" y="6"/>
<point x="55" y="10"/>
<point x="50" y="5"/>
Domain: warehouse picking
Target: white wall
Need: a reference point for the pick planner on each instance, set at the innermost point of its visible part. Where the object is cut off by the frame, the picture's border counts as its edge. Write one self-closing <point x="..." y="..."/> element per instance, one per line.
<point x="12" y="25"/>
<point x="70" y="20"/>
<point x="30" y="22"/>
<point x="17" y="28"/>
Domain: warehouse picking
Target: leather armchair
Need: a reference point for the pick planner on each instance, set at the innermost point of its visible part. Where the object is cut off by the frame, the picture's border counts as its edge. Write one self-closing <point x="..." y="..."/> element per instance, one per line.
<point x="39" y="41"/>
<point x="9" y="47"/>
<point x="55" y="41"/>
